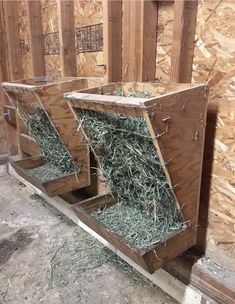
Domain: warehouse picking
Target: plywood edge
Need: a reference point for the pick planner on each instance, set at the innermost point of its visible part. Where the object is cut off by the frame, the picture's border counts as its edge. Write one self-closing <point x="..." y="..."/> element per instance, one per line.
<point x="183" y="293"/>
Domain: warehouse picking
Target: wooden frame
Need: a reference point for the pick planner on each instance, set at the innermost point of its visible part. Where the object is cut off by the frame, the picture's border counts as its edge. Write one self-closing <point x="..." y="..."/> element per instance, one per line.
<point x="176" y="110"/>
<point x="48" y="93"/>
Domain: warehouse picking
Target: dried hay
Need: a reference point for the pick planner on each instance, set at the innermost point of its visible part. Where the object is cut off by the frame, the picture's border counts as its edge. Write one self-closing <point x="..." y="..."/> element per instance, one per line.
<point x="147" y="212"/>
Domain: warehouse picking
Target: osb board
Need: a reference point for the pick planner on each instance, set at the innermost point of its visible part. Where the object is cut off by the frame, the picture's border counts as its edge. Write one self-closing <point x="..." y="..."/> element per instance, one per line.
<point x="88" y="12"/>
<point x="24" y="42"/>
<point x="49" y="18"/>
<point x="87" y="64"/>
<point x="50" y="25"/>
<point x="164" y="40"/>
<point x="214" y="62"/>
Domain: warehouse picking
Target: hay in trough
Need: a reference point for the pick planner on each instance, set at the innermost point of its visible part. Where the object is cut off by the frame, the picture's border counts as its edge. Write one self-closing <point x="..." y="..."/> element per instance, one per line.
<point x="147" y="212"/>
<point x="59" y="160"/>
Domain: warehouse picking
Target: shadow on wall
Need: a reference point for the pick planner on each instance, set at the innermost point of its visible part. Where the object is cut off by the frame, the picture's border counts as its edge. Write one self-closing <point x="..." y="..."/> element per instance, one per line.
<point x="206" y="178"/>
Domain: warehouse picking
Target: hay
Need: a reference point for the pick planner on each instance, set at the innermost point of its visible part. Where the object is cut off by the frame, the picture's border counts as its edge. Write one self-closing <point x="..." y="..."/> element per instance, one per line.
<point x="146" y="212"/>
<point x="46" y="172"/>
<point x="59" y="160"/>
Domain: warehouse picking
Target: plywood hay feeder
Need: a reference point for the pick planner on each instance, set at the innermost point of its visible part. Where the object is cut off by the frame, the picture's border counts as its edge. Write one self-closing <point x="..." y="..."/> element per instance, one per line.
<point x="42" y="98"/>
<point x="175" y="116"/>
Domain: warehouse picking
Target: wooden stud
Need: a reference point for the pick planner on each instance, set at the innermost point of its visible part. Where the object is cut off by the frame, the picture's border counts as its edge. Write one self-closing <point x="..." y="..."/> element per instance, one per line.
<point x="10" y="66"/>
<point x="67" y="37"/>
<point x="139" y="40"/>
<point x="36" y="37"/>
<point x="13" y="39"/>
<point x="112" y="12"/>
<point x="185" y="17"/>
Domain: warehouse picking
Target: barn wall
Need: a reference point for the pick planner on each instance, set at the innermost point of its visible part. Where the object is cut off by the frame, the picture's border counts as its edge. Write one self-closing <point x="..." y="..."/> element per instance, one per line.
<point x="213" y="63"/>
<point x="89" y="13"/>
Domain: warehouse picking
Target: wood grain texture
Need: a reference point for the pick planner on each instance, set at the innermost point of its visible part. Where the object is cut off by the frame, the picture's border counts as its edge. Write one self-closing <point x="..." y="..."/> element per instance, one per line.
<point x="53" y="187"/>
<point x="112" y="33"/>
<point x="139" y="40"/>
<point x="13" y="42"/>
<point x="36" y="37"/>
<point x="185" y="17"/>
<point x="67" y="37"/>
<point x="28" y="145"/>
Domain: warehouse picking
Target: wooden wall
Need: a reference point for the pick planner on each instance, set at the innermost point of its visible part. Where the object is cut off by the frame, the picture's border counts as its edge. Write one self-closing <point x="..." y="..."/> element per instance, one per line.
<point x="213" y="63"/>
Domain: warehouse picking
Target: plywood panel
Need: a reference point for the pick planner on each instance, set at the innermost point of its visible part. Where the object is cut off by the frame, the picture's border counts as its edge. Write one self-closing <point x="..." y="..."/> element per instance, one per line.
<point x="164" y="40"/>
<point x="24" y="39"/>
<point x="50" y="27"/>
<point x="87" y="64"/>
<point x="88" y="12"/>
<point x="214" y="62"/>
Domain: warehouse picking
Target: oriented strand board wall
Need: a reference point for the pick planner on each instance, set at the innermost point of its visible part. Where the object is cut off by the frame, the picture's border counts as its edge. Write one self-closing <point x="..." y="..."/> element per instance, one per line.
<point x="24" y="39"/>
<point x="89" y="13"/>
<point x="214" y="62"/>
<point x="51" y="36"/>
<point x="164" y="40"/>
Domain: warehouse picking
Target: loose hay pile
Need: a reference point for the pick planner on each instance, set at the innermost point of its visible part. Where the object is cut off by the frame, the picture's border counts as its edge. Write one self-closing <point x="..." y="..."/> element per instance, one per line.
<point x="59" y="161"/>
<point x="146" y="213"/>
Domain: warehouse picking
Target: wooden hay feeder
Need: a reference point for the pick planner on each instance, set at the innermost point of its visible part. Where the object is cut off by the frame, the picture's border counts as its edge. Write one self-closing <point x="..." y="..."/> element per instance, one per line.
<point x="175" y="116"/>
<point x="45" y="95"/>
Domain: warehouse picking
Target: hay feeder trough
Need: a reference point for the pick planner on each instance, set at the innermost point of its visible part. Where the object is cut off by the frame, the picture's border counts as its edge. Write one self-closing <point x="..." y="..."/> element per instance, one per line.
<point x="175" y="118"/>
<point x="39" y="103"/>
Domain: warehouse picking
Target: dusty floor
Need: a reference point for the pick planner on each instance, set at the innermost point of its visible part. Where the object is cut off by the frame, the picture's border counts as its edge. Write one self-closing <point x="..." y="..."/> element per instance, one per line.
<point x="45" y="258"/>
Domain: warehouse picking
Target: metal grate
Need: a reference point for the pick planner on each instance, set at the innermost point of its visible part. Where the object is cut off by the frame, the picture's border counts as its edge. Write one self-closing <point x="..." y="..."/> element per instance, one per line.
<point x="51" y="43"/>
<point x="89" y="38"/>
<point x="24" y="46"/>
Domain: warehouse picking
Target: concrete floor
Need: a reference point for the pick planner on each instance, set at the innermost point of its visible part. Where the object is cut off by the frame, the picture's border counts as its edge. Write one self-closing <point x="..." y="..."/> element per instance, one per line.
<point x="45" y="258"/>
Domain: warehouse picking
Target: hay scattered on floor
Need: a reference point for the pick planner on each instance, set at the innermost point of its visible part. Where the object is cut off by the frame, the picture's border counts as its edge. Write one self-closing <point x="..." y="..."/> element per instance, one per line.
<point x="59" y="160"/>
<point x="132" y="169"/>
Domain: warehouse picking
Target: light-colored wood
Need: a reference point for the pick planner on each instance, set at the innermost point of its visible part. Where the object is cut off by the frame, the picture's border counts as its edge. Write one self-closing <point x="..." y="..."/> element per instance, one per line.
<point x="12" y="37"/>
<point x="182" y="293"/>
<point x="112" y="33"/>
<point x="14" y="61"/>
<point x="139" y="40"/>
<point x="185" y="17"/>
<point x="36" y="37"/>
<point x="67" y="37"/>
<point x="106" y="103"/>
<point x="176" y="122"/>
<point x="28" y="145"/>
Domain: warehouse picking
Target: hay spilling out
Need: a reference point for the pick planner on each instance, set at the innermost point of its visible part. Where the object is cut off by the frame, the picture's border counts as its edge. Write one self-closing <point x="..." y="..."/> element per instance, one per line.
<point x="59" y="160"/>
<point x="147" y="212"/>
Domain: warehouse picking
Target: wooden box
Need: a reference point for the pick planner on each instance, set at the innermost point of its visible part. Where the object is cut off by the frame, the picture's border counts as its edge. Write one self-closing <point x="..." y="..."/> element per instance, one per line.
<point x="47" y="93"/>
<point x="176" y="118"/>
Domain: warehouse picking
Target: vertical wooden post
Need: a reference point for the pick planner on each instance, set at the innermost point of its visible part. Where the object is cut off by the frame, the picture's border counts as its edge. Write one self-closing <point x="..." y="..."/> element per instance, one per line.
<point x="36" y="37"/>
<point x="13" y="39"/>
<point x="112" y="29"/>
<point x="185" y="17"/>
<point x="67" y="37"/>
<point x="15" y="64"/>
<point x="139" y="40"/>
